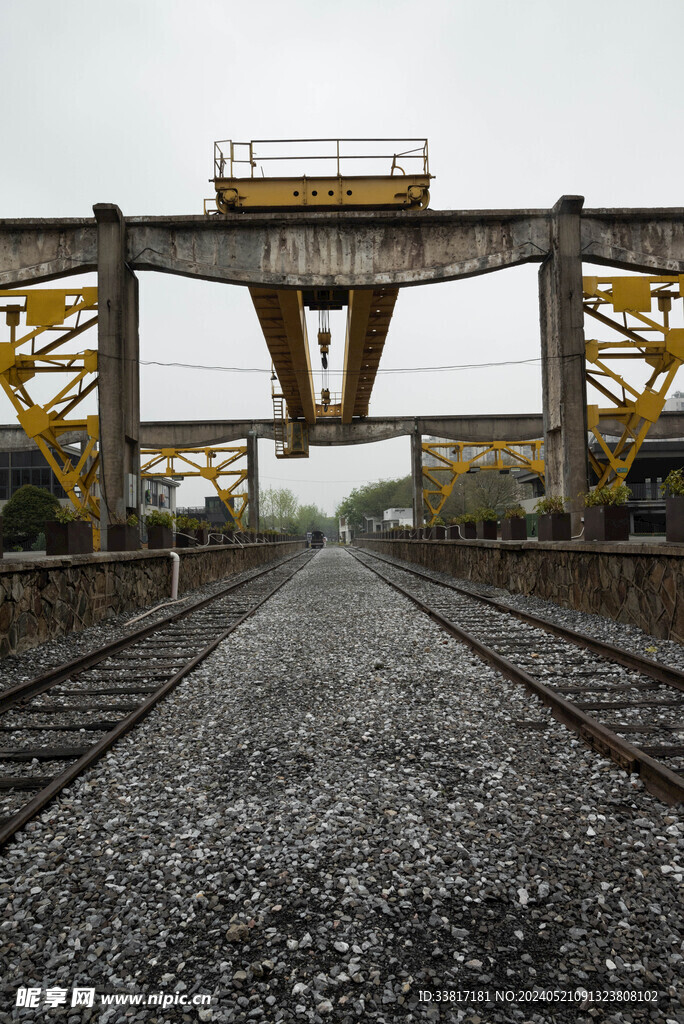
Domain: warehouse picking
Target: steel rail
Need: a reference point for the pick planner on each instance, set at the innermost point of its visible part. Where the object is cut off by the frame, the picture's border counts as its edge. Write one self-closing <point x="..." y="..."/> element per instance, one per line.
<point x="31" y="687"/>
<point x="659" y="780"/>
<point x="64" y="778"/>
<point x="661" y="673"/>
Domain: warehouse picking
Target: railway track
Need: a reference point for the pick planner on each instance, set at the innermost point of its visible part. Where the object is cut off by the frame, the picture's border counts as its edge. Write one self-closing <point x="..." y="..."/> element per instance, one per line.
<point x="71" y="715"/>
<point x="624" y="706"/>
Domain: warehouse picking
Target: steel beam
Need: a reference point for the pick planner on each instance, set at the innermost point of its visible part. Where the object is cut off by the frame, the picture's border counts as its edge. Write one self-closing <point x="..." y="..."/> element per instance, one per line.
<point x="368" y="319"/>
<point x="282" y="319"/>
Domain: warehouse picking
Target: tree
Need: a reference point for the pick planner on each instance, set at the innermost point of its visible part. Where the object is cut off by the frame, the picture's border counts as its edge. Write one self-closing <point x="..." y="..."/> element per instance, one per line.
<point x="278" y="509"/>
<point x="25" y="514"/>
<point x="373" y="499"/>
<point x="487" y="489"/>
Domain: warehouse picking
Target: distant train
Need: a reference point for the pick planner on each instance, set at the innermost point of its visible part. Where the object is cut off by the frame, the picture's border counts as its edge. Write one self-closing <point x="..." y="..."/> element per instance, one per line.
<point x="316" y="539"/>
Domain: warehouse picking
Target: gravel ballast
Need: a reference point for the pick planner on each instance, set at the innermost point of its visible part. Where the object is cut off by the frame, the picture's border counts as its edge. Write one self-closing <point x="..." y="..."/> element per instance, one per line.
<point x="341" y="808"/>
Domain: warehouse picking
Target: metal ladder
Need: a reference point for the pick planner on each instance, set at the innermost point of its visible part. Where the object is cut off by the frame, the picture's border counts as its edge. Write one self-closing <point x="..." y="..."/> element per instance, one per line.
<point x="280" y="425"/>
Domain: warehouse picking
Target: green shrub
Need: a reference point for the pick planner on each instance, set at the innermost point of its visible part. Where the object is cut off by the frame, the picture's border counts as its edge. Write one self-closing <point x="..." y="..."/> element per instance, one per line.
<point x="549" y="504"/>
<point x="187" y="523"/>
<point x="467" y="517"/>
<point x="157" y="518"/>
<point x="131" y="520"/>
<point x="515" y="512"/>
<point x="673" y="484"/>
<point x="25" y="514"/>
<point x="485" y="515"/>
<point x="606" y="496"/>
<point x="69" y="514"/>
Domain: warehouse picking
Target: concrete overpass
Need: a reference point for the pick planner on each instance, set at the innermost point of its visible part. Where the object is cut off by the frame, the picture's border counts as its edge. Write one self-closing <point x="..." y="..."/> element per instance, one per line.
<point x="348" y="249"/>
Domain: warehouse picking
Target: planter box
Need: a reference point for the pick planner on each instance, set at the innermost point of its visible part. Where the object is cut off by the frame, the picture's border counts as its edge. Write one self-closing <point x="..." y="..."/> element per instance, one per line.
<point x="201" y="535"/>
<point x="185" y="539"/>
<point x="555" y="526"/>
<point x="159" y="537"/>
<point x="513" y="529"/>
<point x="468" y="531"/>
<point x="606" y="522"/>
<point x="485" y="530"/>
<point x="453" y="532"/>
<point x="68" y="538"/>
<point x="123" y="538"/>
<point x="674" y="519"/>
<point x="439" y="532"/>
<point x="1" y="548"/>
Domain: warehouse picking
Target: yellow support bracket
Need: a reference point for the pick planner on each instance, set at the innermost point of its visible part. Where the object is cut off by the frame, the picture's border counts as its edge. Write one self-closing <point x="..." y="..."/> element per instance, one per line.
<point x="53" y="318"/>
<point x="451" y="460"/>
<point x="636" y="312"/>
<point x="206" y="463"/>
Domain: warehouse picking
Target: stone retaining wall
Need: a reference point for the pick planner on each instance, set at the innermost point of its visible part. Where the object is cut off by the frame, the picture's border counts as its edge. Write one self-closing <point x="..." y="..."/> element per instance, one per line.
<point x="48" y="597"/>
<point x="640" y="584"/>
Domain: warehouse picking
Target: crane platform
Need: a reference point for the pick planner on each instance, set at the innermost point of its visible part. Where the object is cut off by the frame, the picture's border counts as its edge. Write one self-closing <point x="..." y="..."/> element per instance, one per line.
<point x="258" y="176"/>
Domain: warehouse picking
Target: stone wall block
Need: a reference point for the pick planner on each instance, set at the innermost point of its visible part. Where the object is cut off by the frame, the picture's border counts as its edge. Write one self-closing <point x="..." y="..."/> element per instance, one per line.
<point x="37" y="604"/>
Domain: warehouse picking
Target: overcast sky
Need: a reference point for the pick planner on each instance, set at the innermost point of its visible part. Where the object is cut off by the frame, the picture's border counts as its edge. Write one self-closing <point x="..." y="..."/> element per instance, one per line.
<point x="522" y="101"/>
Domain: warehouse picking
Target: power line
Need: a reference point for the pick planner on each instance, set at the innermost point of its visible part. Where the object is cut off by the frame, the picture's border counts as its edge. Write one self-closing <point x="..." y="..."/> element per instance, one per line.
<point x="341" y="373"/>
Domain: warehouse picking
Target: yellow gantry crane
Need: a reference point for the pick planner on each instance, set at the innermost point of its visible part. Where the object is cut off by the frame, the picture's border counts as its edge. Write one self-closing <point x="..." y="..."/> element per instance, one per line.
<point x="208" y="463"/>
<point x="351" y="174"/>
<point x="43" y="324"/>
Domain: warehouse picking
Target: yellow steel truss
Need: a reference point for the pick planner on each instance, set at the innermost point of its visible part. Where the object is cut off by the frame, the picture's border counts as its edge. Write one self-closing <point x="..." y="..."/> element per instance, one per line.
<point x="625" y="306"/>
<point x="201" y="462"/>
<point x="455" y="458"/>
<point x="52" y="318"/>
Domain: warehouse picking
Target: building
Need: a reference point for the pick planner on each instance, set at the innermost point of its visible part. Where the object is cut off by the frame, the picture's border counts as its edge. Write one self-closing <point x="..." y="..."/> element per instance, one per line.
<point x="160" y="494"/>
<point x="345" y="530"/>
<point x="18" y="468"/>
<point x="397" y="517"/>
<point x="213" y="512"/>
<point x="29" y="466"/>
<point x="646" y="505"/>
<point x="675" y="403"/>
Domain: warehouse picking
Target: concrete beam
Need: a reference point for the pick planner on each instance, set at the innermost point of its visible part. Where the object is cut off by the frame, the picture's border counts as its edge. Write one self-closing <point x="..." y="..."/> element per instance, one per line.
<point x="357" y="249"/>
<point x="361" y="249"/>
<point x="651" y="241"/>
<point x="332" y="432"/>
<point x="43" y="250"/>
<point x="477" y="429"/>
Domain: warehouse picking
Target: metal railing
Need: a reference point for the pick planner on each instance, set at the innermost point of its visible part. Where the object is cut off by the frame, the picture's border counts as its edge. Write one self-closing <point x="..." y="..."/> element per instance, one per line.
<point x="229" y="156"/>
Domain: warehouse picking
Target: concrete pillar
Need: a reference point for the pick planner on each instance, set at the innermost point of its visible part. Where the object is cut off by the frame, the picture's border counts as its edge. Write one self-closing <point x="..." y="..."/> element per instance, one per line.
<point x="118" y="368"/>
<point x="564" y="390"/>
<point x="253" y="480"/>
<point x="417" y="478"/>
